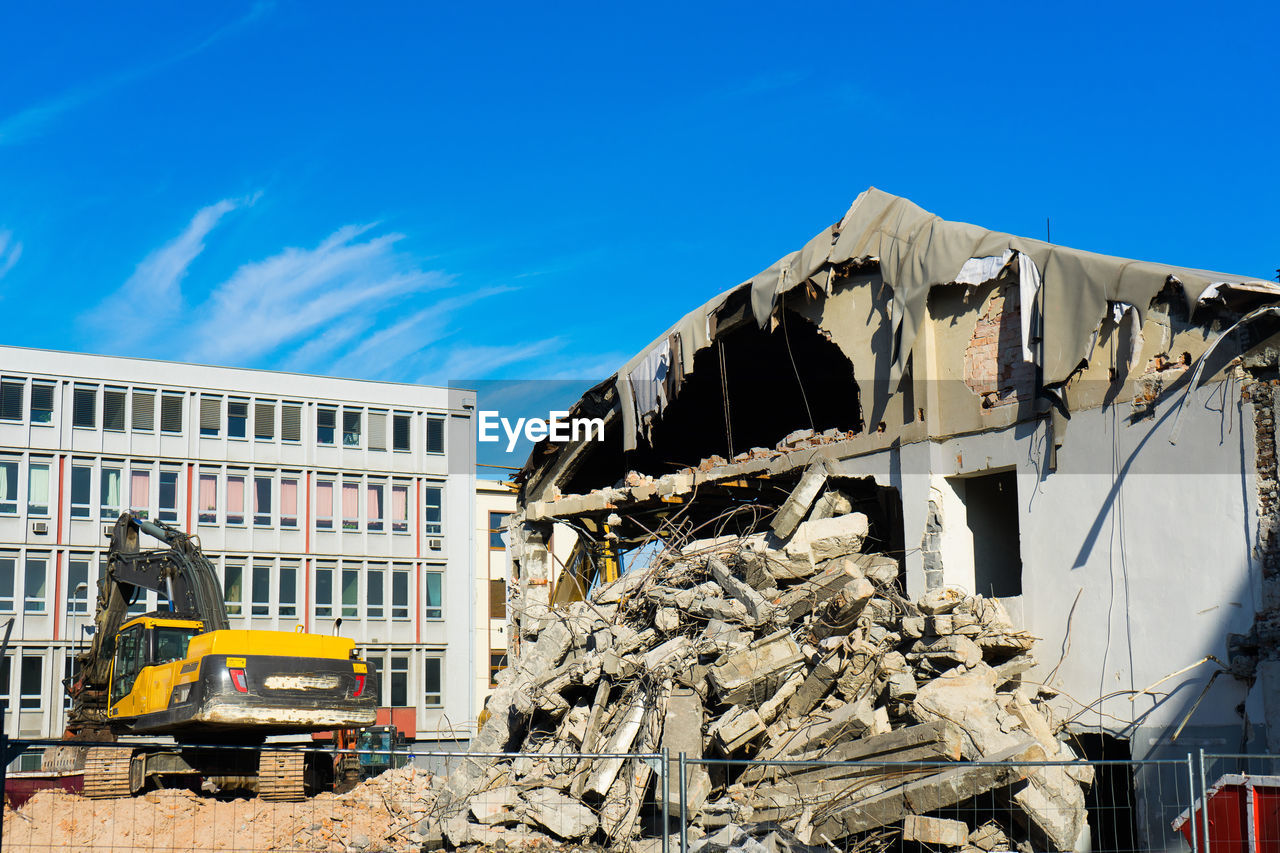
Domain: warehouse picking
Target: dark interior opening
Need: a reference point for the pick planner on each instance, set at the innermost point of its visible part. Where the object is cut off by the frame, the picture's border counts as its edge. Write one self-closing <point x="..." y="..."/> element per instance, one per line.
<point x="882" y="505"/>
<point x="991" y="509"/>
<point x="1110" y="799"/>
<point x="775" y="382"/>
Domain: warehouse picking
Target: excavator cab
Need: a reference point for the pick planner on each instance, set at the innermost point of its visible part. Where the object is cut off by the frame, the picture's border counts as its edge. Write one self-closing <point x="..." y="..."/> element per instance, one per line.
<point x="143" y="670"/>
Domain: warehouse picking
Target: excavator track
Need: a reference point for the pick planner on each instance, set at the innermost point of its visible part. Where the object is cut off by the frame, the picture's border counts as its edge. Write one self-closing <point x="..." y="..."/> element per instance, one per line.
<point x="281" y="775"/>
<point x="106" y="772"/>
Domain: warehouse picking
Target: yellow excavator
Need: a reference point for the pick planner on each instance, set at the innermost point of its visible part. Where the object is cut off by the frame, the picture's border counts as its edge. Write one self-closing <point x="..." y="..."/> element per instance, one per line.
<point x="217" y="692"/>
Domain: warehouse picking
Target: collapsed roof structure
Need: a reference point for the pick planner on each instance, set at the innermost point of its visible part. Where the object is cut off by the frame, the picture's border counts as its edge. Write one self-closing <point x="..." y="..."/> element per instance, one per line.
<point x="1089" y="439"/>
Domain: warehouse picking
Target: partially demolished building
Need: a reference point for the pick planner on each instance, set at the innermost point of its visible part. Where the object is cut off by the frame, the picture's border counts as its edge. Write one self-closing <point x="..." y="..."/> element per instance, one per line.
<point x="1086" y="441"/>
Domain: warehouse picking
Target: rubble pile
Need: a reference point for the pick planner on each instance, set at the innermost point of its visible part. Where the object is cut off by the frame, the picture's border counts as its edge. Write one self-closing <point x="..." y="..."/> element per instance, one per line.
<point x="789" y="645"/>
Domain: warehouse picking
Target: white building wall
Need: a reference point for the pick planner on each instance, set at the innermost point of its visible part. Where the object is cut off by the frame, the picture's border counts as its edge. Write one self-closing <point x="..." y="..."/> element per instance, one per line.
<point x="494" y="501"/>
<point x="370" y="568"/>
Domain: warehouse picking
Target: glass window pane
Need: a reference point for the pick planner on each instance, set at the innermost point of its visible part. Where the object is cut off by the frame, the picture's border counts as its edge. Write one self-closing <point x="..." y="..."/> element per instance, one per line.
<point x="233" y="587"/>
<point x="208" y="498"/>
<point x="235" y="499"/>
<point x="262" y="501"/>
<point x="399" y="681"/>
<point x="399" y="594"/>
<point x="434" y="509"/>
<point x="434" y="601"/>
<point x="8" y="576"/>
<point x="326" y="424"/>
<point x="350" y="593"/>
<point x="324" y="506"/>
<point x="81" y="491"/>
<point x="36" y="579"/>
<point x="169" y="496"/>
<point x="324" y="591"/>
<point x="373" y="505"/>
<point x="350" y="506"/>
<point x="42" y="403"/>
<point x="433" y="681"/>
<point x="399" y="508"/>
<point x="139" y="492"/>
<point x="261" y="590"/>
<point x="435" y="435"/>
<point x="31" y="684"/>
<point x="237" y="418"/>
<point x="288" y="590"/>
<point x="9" y="487"/>
<point x="38" y="489"/>
<point x="78" y="585"/>
<point x="373" y="586"/>
<point x="351" y="427"/>
<point x="112" y="480"/>
<point x="288" y="502"/>
<point x="498" y="530"/>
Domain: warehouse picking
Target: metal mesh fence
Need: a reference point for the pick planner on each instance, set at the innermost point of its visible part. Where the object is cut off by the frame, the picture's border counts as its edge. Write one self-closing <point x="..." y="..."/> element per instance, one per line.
<point x="283" y="798"/>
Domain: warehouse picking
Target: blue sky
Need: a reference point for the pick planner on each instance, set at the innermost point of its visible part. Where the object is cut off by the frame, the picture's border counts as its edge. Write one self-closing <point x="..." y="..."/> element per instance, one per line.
<point x="452" y="192"/>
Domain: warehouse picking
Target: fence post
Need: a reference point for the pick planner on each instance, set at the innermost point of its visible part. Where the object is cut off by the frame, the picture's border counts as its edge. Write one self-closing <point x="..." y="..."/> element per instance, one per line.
<point x="684" y="829"/>
<point x="1191" y="809"/>
<point x="1204" y="807"/>
<point x="666" y="799"/>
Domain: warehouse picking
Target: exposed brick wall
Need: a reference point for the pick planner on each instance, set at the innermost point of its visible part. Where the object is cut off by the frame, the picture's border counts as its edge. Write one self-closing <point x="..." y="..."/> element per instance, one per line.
<point x="993" y="365"/>
<point x="1262" y="394"/>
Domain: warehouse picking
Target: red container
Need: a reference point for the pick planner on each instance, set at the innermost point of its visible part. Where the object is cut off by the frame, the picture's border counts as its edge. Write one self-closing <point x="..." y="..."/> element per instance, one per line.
<point x="22" y="785"/>
<point x="1243" y="815"/>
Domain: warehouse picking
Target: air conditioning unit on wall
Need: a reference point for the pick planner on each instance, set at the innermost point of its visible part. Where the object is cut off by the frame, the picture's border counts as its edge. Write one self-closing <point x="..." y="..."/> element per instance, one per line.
<point x="435" y="544"/>
<point x="39" y="527"/>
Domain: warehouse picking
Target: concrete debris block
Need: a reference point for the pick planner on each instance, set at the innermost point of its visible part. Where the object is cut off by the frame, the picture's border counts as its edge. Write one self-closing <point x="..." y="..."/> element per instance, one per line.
<point x="729" y="610"/>
<point x="828" y="538"/>
<point x="607" y="768"/>
<point x="496" y="805"/>
<point x="624" y="587"/>
<point x="667" y="620"/>
<point x="913" y="626"/>
<point x="832" y="503"/>
<point x="815" y="686"/>
<point x="860" y="671"/>
<point x="738" y="727"/>
<point x="946" y="652"/>
<point x="801" y="498"/>
<point x="840" y="614"/>
<point x="563" y="816"/>
<point x="989" y="837"/>
<point x="969" y="701"/>
<point x="770" y="710"/>
<point x="754" y="672"/>
<point x="850" y="721"/>
<point x="1055" y="808"/>
<point x="757" y="608"/>
<point x="935" y="830"/>
<point x="941" y="600"/>
<point x="805" y="597"/>
<point x="672" y="652"/>
<point x="682" y="728"/>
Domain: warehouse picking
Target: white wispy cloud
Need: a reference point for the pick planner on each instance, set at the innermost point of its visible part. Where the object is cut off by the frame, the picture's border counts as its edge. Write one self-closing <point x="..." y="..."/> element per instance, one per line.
<point x="485" y="361"/>
<point x="29" y="123"/>
<point x="10" y="251"/>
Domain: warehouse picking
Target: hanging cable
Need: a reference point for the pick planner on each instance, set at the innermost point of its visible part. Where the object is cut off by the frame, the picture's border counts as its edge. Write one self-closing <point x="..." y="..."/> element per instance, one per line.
<point x="724" y="395"/>
<point x="786" y="333"/>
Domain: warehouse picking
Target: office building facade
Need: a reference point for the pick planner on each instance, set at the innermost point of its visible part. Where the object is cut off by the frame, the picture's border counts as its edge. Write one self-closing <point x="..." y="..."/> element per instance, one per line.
<point x="334" y="505"/>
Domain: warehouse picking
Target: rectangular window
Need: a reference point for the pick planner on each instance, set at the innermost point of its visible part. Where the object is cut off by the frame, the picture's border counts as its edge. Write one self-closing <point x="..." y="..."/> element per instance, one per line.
<point x="237" y="418"/>
<point x="350" y="506"/>
<point x="324" y="591"/>
<point x="991" y="513"/>
<point x="288" y="502"/>
<point x="497" y="599"/>
<point x="326" y="425"/>
<point x="38" y="489"/>
<point x="262" y="501"/>
<point x="351" y="427"/>
<point x="210" y="415"/>
<point x="435" y="435"/>
<point x="261" y="590"/>
<point x="434" y="595"/>
<point x="81" y="491"/>
<point x="6" y="684"/>
<point x="84" y="408"/>
<point x="139" y="492"/>
<point x="31" y="689"/>
<point x="78" y="584"/>
<point x="208" y="498"/>
<point x="113" y="400"/>
<point x="288" y="589"/>
<point x="12" y="392"/>
<point x="169" y="496"/>
<point x="171" y="412"/>
<point x="497" y="663"/>
<point x="42" y="394"/>
<point x="498" y="530"/>
<point x="69" y="671"/>
<point x="233" y="588"/>
<point x="373" y="498"/>
<point x="400" y="431"/>
<point x="350" y="593"/>
<point x="374" y="580"/>
<point x="399" y="594"/>
<point x="235" y="499"/>
<point x="264" y="420"/>
<point x="36" y="579"/>
<point x="324" y="505"/>
<point x="9" y="486"/>
<point x="8" y="578"/>
<point x="433" y="681"/>
<point x="144" y="411"/>
<point x="111" y="496"/>
<point x="400" y="509"/>
<point x="377" y="430"/>
<point x="399" y="677"/>
<point x="434" y="510"/>
<point x="291" y="422"/>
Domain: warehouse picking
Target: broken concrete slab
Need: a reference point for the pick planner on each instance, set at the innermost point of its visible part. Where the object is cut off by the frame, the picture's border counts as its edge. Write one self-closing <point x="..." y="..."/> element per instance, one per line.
<point x="840" y="614"/>
<point x="828" y="538"/>
<point x="832" y="503"/>
<point x="816" y="685"/>
<point x="564" y="816"/>
<point x="806" y="597"/>
<point x="935" y="830"/>
<point x="736" y="728"/>
<point x="756" y="671"/>
<point x="757" y="608"/>
<point x="797" y="504"/>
